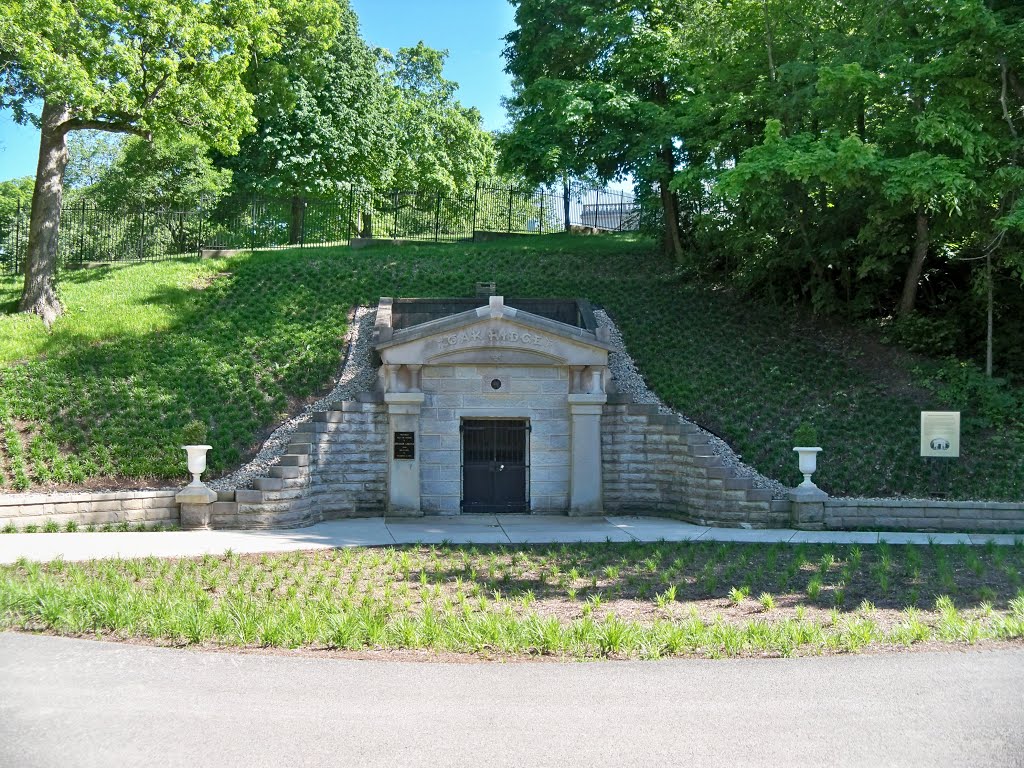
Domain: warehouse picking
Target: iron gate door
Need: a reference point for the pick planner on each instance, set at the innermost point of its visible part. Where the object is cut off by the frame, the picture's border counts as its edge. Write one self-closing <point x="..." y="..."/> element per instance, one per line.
<point x="494" y="466"/>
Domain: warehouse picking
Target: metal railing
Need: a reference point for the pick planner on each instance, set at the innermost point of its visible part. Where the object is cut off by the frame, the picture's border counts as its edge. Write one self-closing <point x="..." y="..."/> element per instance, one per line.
<point x="91" y="233"/>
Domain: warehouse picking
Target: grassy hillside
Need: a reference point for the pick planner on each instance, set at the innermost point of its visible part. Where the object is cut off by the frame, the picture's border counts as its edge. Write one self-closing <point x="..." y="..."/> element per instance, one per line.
<point x="236" y="343"/>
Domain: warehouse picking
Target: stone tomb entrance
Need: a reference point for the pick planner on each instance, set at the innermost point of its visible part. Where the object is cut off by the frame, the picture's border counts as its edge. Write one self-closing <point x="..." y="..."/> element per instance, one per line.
<point x="494" y="408"/>
<point x="495" y="469"/>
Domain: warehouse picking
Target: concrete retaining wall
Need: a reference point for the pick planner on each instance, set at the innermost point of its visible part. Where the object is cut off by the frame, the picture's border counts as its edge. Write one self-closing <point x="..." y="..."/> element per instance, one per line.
<point x="151" y="507"/>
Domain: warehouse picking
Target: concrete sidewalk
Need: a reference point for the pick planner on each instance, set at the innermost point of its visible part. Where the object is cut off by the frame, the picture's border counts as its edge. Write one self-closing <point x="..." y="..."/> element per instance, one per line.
<point x="467" y="529"/>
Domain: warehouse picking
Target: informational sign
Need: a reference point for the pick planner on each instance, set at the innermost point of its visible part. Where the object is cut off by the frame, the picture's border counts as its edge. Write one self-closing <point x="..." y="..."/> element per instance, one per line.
<point x="940" y="434"/>
<point x="405" y="445"/>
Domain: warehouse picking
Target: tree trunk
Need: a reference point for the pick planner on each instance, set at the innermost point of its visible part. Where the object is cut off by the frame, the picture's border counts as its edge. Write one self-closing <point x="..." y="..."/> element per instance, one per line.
<point x="565" y="201"/>
<point x="916" y="265"/>
<point x="670" y="207"/>
<point x="39" y="294"/>
<point x="296" y="220"/>
<point x="988" y="328"/>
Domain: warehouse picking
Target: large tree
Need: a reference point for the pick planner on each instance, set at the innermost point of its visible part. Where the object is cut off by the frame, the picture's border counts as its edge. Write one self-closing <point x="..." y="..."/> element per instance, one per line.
<point x="597" y="88"/>
<point x="172" y="67"/>
<point x="441" y="146"/>
<point x="323" y="115"/>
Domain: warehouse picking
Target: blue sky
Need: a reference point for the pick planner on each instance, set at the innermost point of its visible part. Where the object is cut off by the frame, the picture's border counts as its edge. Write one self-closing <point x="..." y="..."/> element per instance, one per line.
<point x="471" y="30"/>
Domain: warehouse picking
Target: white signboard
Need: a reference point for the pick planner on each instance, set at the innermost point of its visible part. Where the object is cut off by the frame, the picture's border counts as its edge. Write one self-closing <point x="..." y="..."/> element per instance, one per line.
<point x="940" y="433"/>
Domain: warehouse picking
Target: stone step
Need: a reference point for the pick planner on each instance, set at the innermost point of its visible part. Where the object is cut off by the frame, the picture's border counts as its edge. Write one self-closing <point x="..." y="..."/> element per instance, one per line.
<point x="663" y="420"/>
<point x="284" y="495"/>
<point x="719" y="472"/>
<point x="268" y="483"/>
<point x="701" y="449"/>
<point x="704" y="462"/>
<point x="293" y="460"/>
<point x="695" y="438"/>
<point x="738" y="484"/>
<point x="299" y="449"/>
<point x="759" y="494"/>
<point x="642" y="409"/>
<point x="289" y="473"/>
<point x="264" y="508"/>
<point x="223" y="508"/>
<point x="329" y="417"/>
<point x="261" y="519"/>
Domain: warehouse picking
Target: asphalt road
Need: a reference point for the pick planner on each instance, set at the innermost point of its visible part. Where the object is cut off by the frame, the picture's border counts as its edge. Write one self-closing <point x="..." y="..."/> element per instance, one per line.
<point x="82" y="703"/>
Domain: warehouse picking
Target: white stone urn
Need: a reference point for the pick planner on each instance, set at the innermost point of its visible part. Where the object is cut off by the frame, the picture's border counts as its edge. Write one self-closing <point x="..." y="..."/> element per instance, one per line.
<point x="808" y="464"/>
<point x="196" y="461"/>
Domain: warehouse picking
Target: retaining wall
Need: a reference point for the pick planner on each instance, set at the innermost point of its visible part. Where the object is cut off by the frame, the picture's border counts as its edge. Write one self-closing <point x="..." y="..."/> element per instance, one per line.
<point x="922" y="515"/>
<point x="655" y="465"/>
<point x="89" y="508"/>
<point x="335" y="466"/>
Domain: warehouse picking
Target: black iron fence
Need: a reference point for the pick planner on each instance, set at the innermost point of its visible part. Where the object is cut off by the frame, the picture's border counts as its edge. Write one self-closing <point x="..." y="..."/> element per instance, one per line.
<point x="92" y="233"/>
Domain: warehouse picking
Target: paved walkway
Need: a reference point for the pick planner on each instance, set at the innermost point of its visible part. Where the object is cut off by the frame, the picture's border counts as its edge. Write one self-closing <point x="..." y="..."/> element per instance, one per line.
<point x="87" y="703"/>
<point x="467" y="529"/>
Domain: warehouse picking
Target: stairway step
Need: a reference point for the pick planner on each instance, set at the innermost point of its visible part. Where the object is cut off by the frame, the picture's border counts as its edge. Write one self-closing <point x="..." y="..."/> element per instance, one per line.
<point x="268" y="483"/>
<point x="293" y="460"/>
<point x="290" y="473"/>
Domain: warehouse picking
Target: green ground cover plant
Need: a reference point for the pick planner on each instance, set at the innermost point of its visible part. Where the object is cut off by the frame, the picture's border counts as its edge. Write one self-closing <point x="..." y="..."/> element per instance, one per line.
<point x="71" y="526"/>
<point x="585" y="601"/>
<point x="236" y="344"/>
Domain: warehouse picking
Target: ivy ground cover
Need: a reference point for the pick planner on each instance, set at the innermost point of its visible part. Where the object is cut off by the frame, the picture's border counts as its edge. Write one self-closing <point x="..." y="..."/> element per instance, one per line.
<point x="239" y="343"/>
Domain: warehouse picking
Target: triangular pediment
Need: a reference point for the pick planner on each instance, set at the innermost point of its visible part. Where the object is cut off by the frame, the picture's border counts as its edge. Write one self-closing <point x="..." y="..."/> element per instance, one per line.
<point x="495" y="333"/>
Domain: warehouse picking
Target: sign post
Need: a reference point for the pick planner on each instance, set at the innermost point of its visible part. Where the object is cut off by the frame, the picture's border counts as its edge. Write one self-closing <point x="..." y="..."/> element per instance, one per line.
<point x="940" y="439"/>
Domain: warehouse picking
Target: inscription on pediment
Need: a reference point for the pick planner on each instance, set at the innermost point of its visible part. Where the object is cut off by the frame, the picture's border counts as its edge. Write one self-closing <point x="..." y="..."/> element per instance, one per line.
<point x="494" y="336"/>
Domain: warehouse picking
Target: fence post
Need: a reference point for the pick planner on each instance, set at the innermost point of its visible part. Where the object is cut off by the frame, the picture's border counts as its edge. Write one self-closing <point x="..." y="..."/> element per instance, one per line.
<point x="302" y="224"/>
<point x="597" y="206"/>
<point x="252" y="230"/>
<point x="142" y="232"/>
<point x="351" y="213"/>
<point x="17" y="240"/>
<point x="81" y="234"/>
<point x="437" y="218"/>
<point x="476" y="195"/>
<point x="199" y="243"/>
<point x="540" y="225"/>
<point x="509" y="227"/>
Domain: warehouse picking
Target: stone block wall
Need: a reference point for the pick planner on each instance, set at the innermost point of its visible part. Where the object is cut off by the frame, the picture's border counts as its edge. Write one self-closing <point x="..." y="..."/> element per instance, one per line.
<point x="89" y="508"/>
<point x="923" y="515"/>
<point x="334" y="467"/>
<point x="457" y="392"/>
<point x="655" y="465"/>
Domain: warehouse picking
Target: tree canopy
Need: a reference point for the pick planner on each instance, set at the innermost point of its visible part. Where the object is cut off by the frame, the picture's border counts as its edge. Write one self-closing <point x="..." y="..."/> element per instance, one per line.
<point x="142" y="67"/>
<point x="863" y="157"/>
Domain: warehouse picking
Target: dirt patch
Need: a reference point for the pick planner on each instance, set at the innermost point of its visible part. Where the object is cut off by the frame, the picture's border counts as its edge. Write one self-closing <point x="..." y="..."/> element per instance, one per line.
<point x="205" y="281"/>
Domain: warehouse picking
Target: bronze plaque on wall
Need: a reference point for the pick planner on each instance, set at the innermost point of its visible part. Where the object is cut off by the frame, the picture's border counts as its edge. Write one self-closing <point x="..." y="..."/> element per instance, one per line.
<point x="405" y="445"/>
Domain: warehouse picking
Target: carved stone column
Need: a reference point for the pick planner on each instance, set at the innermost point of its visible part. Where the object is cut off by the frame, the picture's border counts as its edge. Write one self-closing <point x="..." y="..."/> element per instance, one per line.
<point x="585" y="481"/>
